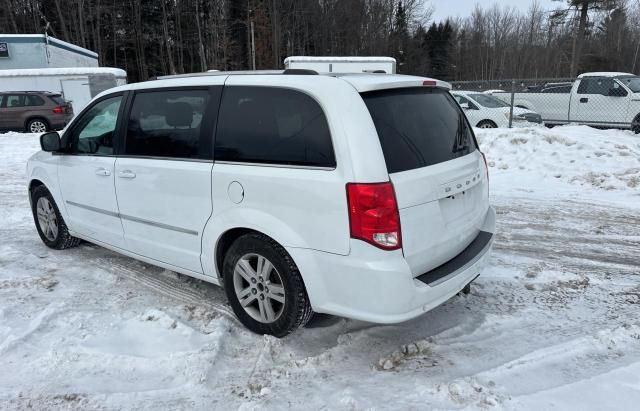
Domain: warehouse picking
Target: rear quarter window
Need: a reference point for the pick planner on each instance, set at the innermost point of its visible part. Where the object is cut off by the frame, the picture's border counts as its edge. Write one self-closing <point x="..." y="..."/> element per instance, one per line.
<point x="272" y="125"/>
<point x="34" y="101"/>
<point x="418" y="127"/>
<point x="57" y="99"/>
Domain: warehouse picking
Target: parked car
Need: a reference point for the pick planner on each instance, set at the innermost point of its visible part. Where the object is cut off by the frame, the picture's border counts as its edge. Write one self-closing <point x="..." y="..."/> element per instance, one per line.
<point x="78" y="85"/>
<point x="610" y="100"/>
<point x="33" y="111"/>
<point x="485" y="111"/>
<point x="362" y="195"/>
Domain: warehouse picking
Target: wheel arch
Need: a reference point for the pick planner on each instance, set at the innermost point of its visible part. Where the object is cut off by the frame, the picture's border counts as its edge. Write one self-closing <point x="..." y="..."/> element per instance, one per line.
<point x="44" y="174"/>
<point x="36" y="117"/>
<point x="224" y="243"/>
<point x="635" y="124"/>
<point x="33" y="184"/>
<point x="486" y="120"/>
<point x="222" y="230"/>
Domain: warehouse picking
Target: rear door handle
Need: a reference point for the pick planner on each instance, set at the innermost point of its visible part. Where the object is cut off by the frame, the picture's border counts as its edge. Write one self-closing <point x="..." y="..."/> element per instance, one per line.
<point x="103" y="172"/>
<point x="126" y="174"/>
<point x="584" y="100"/>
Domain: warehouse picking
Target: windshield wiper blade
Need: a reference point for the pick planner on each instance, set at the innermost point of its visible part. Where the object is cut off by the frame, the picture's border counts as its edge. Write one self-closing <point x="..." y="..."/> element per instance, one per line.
<point x="461" y="141"/>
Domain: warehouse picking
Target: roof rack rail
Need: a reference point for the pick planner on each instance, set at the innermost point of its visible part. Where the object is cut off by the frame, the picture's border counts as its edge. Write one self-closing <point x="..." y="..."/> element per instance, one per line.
<point x="304" y="72"/>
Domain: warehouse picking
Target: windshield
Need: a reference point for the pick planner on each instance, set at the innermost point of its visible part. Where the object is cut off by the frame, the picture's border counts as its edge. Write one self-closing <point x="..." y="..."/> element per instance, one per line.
<point x="418" y="127"/>
<point x="488" y="101"/>
<point x="632" y="82"/>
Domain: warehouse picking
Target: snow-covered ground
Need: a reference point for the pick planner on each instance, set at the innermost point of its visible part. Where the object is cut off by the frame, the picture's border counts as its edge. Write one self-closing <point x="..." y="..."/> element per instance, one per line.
<point x="553" y="322"/>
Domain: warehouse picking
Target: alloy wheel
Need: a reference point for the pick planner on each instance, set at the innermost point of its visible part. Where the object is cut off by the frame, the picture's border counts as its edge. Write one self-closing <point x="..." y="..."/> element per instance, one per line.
<point x="259" y="288"/>
<point x="47" y="218"/>
<point x="37" y="126"/>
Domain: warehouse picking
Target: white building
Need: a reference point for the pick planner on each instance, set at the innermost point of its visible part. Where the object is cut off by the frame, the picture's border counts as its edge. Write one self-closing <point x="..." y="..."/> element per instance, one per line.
<point x="35" y="51"/>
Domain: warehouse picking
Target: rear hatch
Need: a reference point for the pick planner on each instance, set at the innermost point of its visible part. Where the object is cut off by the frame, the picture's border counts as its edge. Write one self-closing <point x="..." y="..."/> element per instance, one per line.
<point x="60" y="101"/>
<point x="436" y="169"/>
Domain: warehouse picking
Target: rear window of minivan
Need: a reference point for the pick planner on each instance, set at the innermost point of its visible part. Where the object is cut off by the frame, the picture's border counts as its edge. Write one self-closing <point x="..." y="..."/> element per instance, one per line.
<point x="418" y="127"/>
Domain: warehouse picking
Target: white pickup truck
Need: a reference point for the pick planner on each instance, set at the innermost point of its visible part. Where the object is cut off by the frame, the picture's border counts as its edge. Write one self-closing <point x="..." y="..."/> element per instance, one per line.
<point x="597" y="99"/>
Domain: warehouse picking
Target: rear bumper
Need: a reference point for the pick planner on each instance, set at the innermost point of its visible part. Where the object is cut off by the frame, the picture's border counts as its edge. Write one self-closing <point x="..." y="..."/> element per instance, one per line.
<point x="378" y="286"/>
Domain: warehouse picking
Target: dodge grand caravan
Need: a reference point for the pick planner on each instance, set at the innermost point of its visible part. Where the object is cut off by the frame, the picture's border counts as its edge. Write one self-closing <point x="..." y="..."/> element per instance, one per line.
<point x="361" y="195"/>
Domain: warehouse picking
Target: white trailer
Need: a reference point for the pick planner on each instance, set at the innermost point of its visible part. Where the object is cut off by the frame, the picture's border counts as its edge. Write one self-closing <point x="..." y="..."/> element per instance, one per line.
<point x="77" y="85"/>
<point x="342" y="64"/>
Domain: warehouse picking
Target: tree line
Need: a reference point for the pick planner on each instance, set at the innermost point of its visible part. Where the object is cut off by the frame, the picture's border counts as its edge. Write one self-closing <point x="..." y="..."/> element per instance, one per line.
<point x="149" y="38"/>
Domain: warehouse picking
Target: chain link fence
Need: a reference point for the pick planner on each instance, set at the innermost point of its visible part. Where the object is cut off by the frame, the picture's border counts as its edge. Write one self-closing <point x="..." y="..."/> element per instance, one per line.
<point x="602" y="101"/>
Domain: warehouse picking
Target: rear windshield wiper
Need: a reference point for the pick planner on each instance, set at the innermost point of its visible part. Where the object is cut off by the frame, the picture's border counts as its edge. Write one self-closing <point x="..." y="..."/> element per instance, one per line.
<point x="462" y="139"/>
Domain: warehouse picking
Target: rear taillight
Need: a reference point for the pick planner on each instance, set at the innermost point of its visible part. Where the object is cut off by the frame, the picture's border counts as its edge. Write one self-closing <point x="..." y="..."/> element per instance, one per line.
<point x="58" y="110"/>
<point x="373" y="214"/>
<point x="429" y="83"/>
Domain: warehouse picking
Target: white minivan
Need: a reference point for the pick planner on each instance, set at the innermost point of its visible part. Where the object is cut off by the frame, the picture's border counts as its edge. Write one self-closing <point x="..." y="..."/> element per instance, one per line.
<point x="358" y="195"/>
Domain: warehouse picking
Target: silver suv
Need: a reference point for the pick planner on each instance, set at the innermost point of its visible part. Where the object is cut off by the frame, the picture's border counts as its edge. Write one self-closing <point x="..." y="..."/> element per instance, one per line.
<point x="34" y="111"/>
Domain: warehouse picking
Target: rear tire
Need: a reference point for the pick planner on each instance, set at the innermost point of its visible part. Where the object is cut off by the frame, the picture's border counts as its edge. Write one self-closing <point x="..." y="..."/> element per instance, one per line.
<point x="635" y="124"/>
<point x="264" y="286"/>
<point x="49" y="222"/>
<point x="487" y="124"/>
<point x="37" y="125"/>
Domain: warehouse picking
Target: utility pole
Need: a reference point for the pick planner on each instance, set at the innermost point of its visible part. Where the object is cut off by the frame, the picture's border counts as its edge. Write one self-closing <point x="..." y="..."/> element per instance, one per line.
<point x="251" y="41"/>
<point x="635" y="58"/>
<point x="275" y="41"/>
<point x="253" y="48"/>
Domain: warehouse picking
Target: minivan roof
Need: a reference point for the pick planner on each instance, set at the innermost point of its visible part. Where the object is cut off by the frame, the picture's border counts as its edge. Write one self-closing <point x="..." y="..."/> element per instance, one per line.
<point x="362" y="82"/>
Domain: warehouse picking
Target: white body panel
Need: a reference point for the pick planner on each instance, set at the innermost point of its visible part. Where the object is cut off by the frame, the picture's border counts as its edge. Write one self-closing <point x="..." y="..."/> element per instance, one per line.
<point x="378" y="286"/>
<point x="595" y="107"/>
<point x="173" y="212"/>
<point x="442" y="208"/>
<point x="164" y="205"/>
<point x="87" y="187"/>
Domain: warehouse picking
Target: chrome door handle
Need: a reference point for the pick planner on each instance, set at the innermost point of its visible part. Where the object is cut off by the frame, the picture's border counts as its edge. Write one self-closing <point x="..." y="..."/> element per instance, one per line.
<point x="103" y="172"/>
<point x="127" y="174"/>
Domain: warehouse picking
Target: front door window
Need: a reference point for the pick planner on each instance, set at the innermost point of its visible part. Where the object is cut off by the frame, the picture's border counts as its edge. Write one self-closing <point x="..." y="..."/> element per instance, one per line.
<point x="94" y="132"/>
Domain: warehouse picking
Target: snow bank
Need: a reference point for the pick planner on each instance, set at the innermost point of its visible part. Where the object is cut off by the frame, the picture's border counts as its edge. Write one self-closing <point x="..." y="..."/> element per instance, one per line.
<point x="564" y="161"/>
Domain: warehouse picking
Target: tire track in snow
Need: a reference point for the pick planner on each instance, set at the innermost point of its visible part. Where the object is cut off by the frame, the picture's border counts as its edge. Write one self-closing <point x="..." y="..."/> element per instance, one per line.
<point x="155" y="278"/>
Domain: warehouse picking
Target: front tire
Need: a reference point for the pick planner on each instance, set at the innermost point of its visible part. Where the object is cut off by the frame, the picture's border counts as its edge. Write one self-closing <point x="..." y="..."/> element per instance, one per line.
<point x="264" y="286"/>
<point x="487" y="124"/>
<point x="49" y="222"/>
<point x="37" y="125"/>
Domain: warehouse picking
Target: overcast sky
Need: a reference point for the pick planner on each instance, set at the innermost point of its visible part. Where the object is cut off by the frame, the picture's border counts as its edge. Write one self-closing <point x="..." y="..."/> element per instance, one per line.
<point x="463" y="8"/>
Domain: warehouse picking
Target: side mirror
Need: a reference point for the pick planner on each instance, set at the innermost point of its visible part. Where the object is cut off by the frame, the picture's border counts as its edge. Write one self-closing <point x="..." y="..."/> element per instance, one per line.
<point x="465" y="106"/>
<point x="50" y="141"/>
<point x="617" y="92"/>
